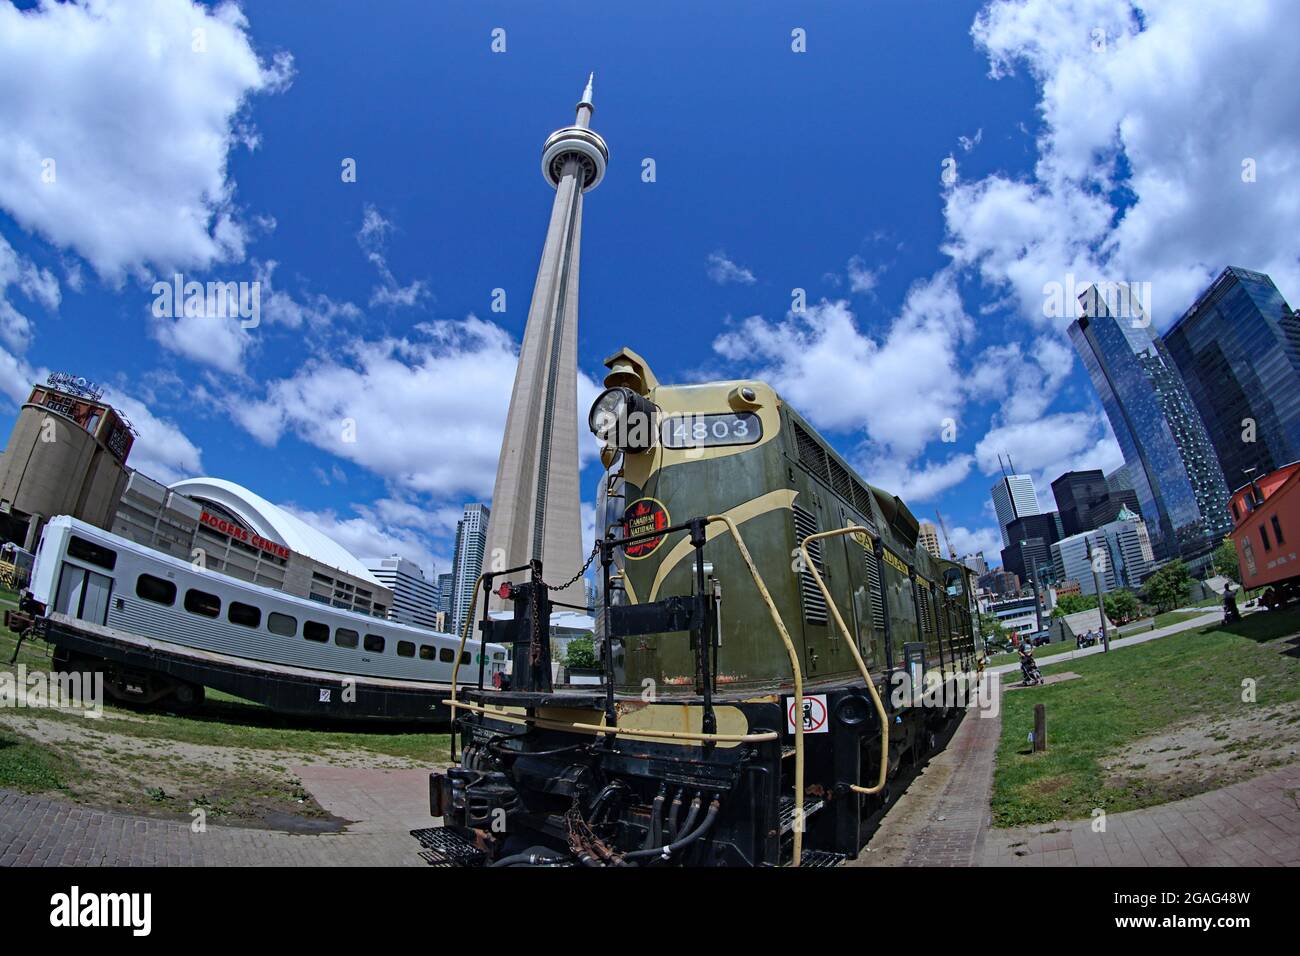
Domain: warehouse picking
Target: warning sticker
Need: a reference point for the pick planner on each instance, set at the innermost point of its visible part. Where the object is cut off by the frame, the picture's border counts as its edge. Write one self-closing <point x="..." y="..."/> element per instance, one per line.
<point x="642" y="516"/>
<point x="814" y="714"/>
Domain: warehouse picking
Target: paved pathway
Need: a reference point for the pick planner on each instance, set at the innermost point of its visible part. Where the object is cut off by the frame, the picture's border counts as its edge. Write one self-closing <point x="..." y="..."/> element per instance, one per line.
<point x="1213" y="616"/>
<point x="45" y="831"/>
<point x="942" y="818"/>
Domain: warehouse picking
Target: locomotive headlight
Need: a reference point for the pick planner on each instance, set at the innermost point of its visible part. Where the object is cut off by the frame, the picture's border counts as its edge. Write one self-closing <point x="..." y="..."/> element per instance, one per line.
<point x="623" y="419"/>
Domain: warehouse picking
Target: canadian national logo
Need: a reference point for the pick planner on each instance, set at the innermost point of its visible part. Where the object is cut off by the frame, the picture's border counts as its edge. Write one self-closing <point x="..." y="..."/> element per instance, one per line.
<point x="641" y="517"/>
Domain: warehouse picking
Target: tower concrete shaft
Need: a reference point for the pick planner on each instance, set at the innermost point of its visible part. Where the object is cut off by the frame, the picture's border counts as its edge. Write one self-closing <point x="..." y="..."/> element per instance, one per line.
<point x="536" y="510"/>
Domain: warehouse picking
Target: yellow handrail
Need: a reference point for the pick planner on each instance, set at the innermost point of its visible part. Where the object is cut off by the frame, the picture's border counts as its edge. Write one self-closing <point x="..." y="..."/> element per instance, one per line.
<point x="797" y="853"/>
<point x="853" y="647"/>
<point x="460" y="652"/>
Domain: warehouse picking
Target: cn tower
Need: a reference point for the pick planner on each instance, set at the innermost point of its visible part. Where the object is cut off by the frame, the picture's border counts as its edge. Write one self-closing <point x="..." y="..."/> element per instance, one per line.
<point x="536" y="499"/>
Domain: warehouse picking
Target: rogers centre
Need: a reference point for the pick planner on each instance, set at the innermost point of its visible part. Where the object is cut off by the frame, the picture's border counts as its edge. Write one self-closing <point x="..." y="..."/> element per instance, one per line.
<point x="237" y="532"/>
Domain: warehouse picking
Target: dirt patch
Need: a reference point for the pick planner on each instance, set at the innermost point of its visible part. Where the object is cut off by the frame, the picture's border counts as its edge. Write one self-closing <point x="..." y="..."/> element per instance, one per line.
<point x="1203" y="755"/>
<point x="1047" y="785"/>
<point x="234" y="786"/>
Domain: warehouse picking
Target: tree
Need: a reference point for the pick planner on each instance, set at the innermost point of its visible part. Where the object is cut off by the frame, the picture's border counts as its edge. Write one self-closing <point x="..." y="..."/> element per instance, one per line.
<point x="1168" y="587"/>
<point x="1073" y="604"/>
<point x="581" y="654"/>
<point x="1121" y="606"/>
<point x="1225" y="560"/>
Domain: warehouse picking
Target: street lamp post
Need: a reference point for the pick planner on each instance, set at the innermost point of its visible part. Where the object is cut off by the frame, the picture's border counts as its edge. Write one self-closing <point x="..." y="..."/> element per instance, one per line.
<point x="1033" y="584"/>
<point x="1101" y="602"/>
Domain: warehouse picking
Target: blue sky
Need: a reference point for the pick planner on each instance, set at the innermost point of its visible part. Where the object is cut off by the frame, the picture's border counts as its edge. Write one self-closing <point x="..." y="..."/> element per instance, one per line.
<point x="1088" y="140"/>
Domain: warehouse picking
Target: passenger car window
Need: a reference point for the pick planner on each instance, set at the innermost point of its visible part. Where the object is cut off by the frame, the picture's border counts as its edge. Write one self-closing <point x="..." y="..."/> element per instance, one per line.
<point x="202" y="603"/>
<point x="244" y="614"/>
<point x="150" y="588"/>
<point x="281" y="624"/>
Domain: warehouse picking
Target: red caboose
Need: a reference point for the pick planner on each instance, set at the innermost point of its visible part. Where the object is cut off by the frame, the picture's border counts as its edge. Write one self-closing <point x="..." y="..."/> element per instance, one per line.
<point x="1266" y="533"/>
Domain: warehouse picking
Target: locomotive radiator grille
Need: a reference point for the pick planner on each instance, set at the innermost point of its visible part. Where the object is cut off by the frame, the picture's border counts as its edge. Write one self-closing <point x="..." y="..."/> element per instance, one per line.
<point x="814" y="604"/>
<point x="873" y="585"/>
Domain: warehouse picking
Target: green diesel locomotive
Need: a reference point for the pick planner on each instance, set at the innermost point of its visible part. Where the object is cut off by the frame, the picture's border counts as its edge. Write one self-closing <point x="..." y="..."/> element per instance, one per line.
<point x="779" y="654"/>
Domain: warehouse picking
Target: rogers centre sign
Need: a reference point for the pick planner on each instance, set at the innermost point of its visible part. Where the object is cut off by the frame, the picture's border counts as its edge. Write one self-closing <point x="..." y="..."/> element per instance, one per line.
<point x="240" y="533"/>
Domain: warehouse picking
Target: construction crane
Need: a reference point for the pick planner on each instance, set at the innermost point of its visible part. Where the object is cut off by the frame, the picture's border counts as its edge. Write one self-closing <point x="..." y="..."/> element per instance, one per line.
<point x="952" y="552"/>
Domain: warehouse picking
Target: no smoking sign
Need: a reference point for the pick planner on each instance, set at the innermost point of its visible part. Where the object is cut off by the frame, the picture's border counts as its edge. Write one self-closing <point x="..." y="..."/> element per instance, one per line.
<point x="814" y="714"/>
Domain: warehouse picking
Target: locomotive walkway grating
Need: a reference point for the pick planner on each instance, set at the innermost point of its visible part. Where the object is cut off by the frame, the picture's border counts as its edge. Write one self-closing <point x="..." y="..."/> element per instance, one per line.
<point x="443" y="847"/>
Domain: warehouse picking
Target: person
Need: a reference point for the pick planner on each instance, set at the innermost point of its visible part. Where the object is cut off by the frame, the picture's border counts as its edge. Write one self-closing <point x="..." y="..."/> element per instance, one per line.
<point x="1026" y="661"/>
<point x="1230" y="612"/>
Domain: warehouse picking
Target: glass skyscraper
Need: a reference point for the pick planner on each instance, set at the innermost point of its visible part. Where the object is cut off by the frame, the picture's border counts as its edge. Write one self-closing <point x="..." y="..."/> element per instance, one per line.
<point x="1238" y="349"/>
<point x="1167" y="452"/>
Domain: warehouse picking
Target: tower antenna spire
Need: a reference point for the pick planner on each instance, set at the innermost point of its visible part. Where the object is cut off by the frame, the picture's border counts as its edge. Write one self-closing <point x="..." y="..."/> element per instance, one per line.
<point x="586" y="94"/>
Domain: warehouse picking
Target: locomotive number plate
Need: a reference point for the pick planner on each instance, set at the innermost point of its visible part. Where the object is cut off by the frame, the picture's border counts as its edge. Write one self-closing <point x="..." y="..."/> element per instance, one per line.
<point x="705" y="431"/>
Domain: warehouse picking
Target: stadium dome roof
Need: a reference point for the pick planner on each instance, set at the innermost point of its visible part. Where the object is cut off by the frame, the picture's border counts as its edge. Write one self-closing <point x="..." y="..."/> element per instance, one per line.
<point x="275" y="524"/>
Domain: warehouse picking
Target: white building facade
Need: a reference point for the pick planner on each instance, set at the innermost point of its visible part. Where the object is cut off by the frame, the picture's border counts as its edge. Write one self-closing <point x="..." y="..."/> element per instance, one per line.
<point x="415" y="600"/>
<point x="1013" y="497"/>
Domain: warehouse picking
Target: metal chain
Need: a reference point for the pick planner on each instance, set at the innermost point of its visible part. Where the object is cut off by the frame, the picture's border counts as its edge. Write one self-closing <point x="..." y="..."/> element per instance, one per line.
<point x="595" y="549"/>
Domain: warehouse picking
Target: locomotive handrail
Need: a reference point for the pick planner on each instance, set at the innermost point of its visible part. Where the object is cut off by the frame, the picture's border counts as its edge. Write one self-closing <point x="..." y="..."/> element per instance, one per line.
<point x="853" y="647"/>
<point x="548" y="724"/>
<point x="797" y="850"/>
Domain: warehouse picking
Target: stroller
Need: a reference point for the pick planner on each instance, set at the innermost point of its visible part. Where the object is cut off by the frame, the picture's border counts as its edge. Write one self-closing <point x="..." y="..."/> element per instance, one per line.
<point x="1029" y="668"/>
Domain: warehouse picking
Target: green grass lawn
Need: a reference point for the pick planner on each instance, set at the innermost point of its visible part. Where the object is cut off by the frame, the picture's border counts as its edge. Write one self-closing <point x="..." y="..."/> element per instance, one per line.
<point x="227" y="721"/>
<point x="1124" y="697"/>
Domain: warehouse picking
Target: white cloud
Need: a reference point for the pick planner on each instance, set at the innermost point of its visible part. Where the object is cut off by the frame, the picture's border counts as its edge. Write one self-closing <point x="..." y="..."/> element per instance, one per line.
<point x="36" y="284"/>
<point x="722" y="270"/>
<point x="373" y="239"/>
<point x="917" y="482"/>
<point x="138" y="124"/>
<point x="367" y="535"/>
<point x="280" y="308"/>
<point x="862" y="278"/>
<point x="1179" y="96"/>
<point x="428" y="411"/>
<point x="974" y="540"/>
<point x="1047" y="447"/>
<point x="218" y="341"/>
<point x="899" y="390"/>
<point x="1025" y="383"/>
<point x="161" y="450"/>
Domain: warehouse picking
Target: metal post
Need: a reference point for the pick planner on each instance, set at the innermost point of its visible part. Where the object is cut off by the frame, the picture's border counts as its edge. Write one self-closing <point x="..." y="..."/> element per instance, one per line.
<point x="607" y="559"/>
<point x="482" y="640"/>
<point x="1101" y="601"/>
<point x="704" y="633"/>
<point x="1040" y="728"/>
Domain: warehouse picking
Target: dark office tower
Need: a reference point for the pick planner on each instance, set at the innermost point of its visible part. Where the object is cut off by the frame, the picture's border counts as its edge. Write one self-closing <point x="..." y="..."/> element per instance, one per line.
<point x="1167" y="452"/>
<point x="1108" y="509"/>
<point x="1238" y="349"/>
<point x="1076" y="494"/>
<point x="1031" y="539"/>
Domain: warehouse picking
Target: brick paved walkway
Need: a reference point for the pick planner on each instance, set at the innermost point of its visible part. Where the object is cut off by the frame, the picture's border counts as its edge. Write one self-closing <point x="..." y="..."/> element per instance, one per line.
<point x="1253" y="823"/>
<point x="44" y="831"/>
<point x="942" y="818"/>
